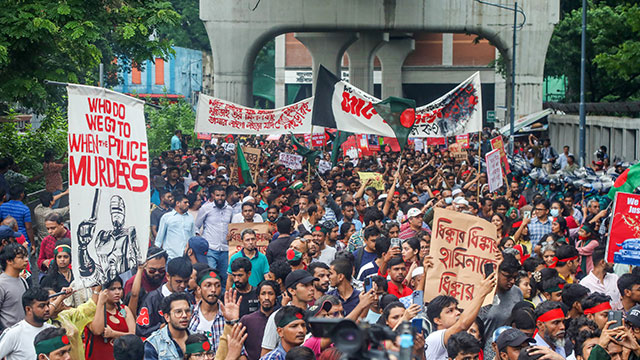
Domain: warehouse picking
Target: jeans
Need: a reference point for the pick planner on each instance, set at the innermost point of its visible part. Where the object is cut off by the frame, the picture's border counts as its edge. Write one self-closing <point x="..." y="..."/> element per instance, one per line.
<point x="219" y="260"/>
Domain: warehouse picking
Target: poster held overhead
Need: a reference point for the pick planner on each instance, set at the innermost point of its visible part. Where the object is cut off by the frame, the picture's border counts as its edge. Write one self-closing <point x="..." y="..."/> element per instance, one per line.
<point x="108" y="164"/>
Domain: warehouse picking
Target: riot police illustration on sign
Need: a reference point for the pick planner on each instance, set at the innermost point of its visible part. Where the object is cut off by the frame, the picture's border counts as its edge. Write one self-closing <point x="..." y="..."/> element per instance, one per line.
<point x="116" y="250"/>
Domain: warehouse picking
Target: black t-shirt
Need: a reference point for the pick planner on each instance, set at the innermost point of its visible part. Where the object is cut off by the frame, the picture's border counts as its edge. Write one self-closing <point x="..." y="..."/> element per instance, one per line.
<point x="156" y="214"/>
<point x="249" y="303"/>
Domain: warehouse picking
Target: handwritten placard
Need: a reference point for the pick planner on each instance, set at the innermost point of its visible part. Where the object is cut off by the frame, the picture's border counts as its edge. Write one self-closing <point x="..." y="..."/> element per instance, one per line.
<point x="377" y="181"/>
<point x="291" y="161"/>
<point x="461" y="245"/>
<point x="263" y="235"/>
<point x="494" y="171"/>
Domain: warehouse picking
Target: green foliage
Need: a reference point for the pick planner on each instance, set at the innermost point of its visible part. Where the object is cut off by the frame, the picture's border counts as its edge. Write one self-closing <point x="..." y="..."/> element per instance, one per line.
<point x="67" y="40"/>
<point x="162" y="123"/>
<point x="613" y="45"/>
<point x="27" y="147"/>
<point x="191" y="32"/>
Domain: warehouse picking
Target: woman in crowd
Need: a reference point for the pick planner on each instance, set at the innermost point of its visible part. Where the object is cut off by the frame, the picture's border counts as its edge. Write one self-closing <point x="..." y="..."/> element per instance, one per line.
<point x="59" y="274"/>
<point x="588" y="240"/>
<point x="112" y="320"/>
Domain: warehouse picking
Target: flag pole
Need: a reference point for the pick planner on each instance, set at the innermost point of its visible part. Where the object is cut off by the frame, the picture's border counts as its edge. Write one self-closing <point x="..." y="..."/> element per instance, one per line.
<point x="308" y="163"/>
<point x="479" y="162"/>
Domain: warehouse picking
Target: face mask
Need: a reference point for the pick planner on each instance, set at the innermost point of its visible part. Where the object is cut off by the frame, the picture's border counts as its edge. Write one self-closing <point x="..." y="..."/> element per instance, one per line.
<point x="448" y="200"/>
<point x="555" y="212"/>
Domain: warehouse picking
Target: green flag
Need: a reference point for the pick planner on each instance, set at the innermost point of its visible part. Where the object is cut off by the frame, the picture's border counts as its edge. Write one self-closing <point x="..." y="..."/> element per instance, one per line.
<point x="309" y="154"/>
<point x="337" y="143"/>
<point x="244" y="173"/>
<point x="627" y="182"/>
<point x="400" y="114"/>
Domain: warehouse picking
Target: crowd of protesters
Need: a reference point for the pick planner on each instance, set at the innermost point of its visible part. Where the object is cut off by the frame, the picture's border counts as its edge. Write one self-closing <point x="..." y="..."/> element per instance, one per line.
<point x="338" y="248"/>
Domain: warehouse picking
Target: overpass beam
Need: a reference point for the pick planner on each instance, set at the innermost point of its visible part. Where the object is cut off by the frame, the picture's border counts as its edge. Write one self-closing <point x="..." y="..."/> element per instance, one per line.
<point x="392" y="56"/>
<point x="361" y="56"/>
<point x="326" y="49"/>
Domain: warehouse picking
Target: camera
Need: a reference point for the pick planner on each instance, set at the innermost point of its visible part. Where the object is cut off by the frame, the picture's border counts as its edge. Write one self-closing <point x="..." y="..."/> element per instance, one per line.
<point x="355" y="342"/>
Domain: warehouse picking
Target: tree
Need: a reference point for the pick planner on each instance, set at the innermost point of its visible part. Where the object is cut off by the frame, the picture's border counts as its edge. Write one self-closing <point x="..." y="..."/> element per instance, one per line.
<point x="67" y="40"/>
<point x="191" y="32"/>
<point x="27" y="147"/>
<point x="612" y="69"/>
<point x="163" y="122"/>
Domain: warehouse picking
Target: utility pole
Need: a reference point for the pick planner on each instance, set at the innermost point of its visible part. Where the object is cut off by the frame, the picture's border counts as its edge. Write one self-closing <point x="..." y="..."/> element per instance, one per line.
<point x="583" y="115"/>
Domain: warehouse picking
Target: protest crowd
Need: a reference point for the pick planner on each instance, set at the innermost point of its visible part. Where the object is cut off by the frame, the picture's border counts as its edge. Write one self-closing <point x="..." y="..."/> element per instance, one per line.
<point x="277" y="263"/>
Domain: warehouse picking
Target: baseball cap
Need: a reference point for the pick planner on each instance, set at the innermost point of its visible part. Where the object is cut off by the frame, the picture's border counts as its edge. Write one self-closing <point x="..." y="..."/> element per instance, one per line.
<point x="512" y="337"/>
<point x="413" y="212"/>
<point x="315" y="309"/>
<point x="200" y="246"/>
<point x="298" y="277"/>
<point x="7" y="232"/>
<point x="634" y="316"/>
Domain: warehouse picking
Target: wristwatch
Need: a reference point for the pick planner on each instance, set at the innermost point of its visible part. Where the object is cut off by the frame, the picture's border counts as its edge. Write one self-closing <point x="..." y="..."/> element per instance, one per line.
<point x="232" y="322"/>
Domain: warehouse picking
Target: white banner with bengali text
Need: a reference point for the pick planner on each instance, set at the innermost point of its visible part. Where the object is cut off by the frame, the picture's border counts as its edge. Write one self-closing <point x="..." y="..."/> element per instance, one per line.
<point x="218" y="116"/>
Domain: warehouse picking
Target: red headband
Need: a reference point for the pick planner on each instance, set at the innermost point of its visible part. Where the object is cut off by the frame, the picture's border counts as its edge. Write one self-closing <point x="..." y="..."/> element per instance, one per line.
<point x="556" y="261"/>
<point x="596" y="309"/>
<point x="551" y="315"/>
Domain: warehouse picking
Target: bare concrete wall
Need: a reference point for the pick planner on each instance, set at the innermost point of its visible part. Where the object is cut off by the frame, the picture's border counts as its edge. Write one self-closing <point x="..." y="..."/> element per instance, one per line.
<point x="620" y="135"/>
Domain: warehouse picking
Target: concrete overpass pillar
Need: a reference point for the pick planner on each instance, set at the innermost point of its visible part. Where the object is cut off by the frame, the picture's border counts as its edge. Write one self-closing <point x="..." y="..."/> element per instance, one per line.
<point x="392" y="56"/>
<point x="234" y="51"/>
<point x="326" y="49"/>
<point x="361" y="55"/>
<point x="280" y="71"/>
<point x="531" y="52"/>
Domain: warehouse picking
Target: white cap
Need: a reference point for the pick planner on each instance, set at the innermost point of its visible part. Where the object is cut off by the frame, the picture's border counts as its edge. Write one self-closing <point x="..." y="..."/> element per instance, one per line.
<point x="248" y="199"/>
<point x="221" y="168"/>
<point x="413" y="212"/>
<point x="456" y="192"/>
<point x="417" y="271"/>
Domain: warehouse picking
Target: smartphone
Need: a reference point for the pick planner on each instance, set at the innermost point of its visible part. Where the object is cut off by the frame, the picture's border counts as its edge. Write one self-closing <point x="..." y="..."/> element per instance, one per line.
<point x="396" y="242"/>
<point x="417" y="297"/>
<point x="526" y="213"/>
<point x="416" y="323"/>
<point x="368" y="284"/>
<point x="488" y="269"/>
<point x="617" y="316"/>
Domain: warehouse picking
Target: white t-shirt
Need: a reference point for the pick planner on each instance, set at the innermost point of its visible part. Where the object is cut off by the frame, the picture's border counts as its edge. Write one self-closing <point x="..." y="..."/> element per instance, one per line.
<point x="436" y="349"/>
<point x="239" y="219"/>
<point x="270" y="338"/>
<point x="16" y="343"/>
<point x="204" y="327"/>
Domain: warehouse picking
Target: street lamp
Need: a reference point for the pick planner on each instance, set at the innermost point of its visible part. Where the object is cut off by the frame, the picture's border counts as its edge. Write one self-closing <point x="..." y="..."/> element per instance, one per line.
<point x="512" y="116"/>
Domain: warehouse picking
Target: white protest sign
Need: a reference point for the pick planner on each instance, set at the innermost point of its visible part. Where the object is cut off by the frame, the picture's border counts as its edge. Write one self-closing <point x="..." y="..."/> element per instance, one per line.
<point x="291" y="161"/>
<point x="494" y="170"/>
<point x="324" y="166"/>
<point x="108" y="182"/>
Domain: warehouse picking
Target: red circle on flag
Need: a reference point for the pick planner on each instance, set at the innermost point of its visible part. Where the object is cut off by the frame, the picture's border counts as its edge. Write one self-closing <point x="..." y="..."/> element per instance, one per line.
<point x="206" y="346"/>
<point x="299" y="316"/>
<point x="65" y="340"/>
<point x="212" y="274"/>
<point x="290" y="254"/>
<point x="621" y="179"/>
<point x="408" y="117"/>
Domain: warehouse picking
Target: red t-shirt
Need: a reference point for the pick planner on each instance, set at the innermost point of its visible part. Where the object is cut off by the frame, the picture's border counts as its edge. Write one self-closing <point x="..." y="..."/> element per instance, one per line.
<point x="393" y="290"/>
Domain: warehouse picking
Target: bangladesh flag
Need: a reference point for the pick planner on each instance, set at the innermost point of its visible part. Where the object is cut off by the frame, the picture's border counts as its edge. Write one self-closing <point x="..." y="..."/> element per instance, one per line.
<point x="309" y="154"/>
<point x="337" y="143"/>
<point x="627" y="182"/>
<point x="400" y="115"/>
<point x="244" y="173"/>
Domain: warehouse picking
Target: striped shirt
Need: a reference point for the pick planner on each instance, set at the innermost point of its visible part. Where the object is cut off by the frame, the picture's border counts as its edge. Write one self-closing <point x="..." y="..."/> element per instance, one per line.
<point x="20" y="212"/>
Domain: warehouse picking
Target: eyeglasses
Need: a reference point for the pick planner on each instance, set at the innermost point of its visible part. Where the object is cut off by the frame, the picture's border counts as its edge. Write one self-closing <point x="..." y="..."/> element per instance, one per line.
<point x="206" y="355"/>
<point x="152" y="271"/>
<point x="541" y="209"/>
<point x="180" y="312"/>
